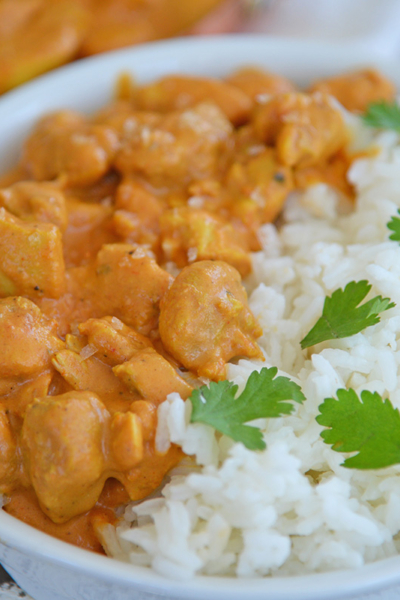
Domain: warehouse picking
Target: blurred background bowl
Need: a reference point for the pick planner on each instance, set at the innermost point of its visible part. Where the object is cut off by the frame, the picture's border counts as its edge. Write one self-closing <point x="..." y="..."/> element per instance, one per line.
<point x="39" y="35"/>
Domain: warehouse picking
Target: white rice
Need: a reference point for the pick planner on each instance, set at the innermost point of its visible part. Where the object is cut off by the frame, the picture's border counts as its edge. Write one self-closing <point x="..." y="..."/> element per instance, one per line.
<point x="292" y="508"/>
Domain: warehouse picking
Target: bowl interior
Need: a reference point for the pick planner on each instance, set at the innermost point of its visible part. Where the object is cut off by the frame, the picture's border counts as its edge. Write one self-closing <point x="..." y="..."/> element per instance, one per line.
<point x="86" y="86"/>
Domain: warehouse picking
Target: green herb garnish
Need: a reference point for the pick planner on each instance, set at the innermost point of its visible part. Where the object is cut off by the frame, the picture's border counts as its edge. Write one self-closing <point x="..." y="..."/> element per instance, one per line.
<point x="264" y="396"/>
<point x="370" y="427"/>
<point x="342" y="316"/>
<point x="383" y="115"/>
<point x="394" y="225"/>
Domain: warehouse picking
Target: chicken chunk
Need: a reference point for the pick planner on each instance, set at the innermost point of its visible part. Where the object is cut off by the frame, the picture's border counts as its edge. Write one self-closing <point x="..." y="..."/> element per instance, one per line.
<point x="183" y="146"/>
<point x="27" y="341"/>
<point x="31" y="258"/>
<point x="256" y="83"/>
<point x="119" y="114"/>
<point x="357" y="89"/>
<point x="89" y="227"/>
<point x="8" y="458"/>
<point x="152" y="376"/>
<point x="62" y="439"/>
<point x="89" y="373"/>
<point x="21" y="395"/>
<point x="115" y="342"/>
<point x="205" y="320"/>
<point x="140" y="476"/>
<point x="129" y="285"/>
<point x="257" y="190"/>
<point x="127" y="440"/>
<point x="189" y="235"/>
<point x="133" y="196"/>
<point x="147" y="413"/>
<point x="137" y="214"/>
<point x="305" y="128"/>
<point x="178" y="92"/>
<point x="31" y="201"/>
<point x="332" y="172"/>
<point x="64" y="144"/>
<point x="72" y="445"/>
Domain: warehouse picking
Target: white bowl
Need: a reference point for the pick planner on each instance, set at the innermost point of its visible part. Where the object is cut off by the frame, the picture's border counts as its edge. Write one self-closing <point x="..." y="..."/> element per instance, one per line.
<point x="49" y="569"/>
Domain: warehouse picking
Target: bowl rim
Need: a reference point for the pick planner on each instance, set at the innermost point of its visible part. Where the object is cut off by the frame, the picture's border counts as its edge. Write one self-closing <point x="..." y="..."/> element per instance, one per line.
<point x="15" y="534"/>
<point x="197" y="45"/>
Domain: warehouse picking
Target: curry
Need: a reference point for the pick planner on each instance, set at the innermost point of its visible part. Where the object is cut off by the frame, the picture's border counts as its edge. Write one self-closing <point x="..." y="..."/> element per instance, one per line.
<point x="124" y="238"/>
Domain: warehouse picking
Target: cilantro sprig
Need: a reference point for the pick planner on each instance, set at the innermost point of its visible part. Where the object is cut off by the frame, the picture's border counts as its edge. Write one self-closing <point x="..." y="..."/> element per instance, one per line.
<point x="370" y="426"/>
<point x="383" y="115"/>
<point x="342" y="316"/>
<point x="394" y="225"/>
<point x="264" y="396"/>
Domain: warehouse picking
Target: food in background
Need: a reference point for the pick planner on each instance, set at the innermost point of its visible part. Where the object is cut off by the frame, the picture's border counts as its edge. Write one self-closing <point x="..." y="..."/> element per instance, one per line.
<point x="39" y="35"/>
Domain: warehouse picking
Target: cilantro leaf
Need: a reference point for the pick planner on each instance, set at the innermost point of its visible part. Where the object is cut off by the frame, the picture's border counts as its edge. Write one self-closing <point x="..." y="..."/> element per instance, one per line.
<point x="370" y="427"/>
<point x="384" y="115"/>
<point x="394" y="225"/>
<point x="341" y="315"/>
<point x="264" y="396"/>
